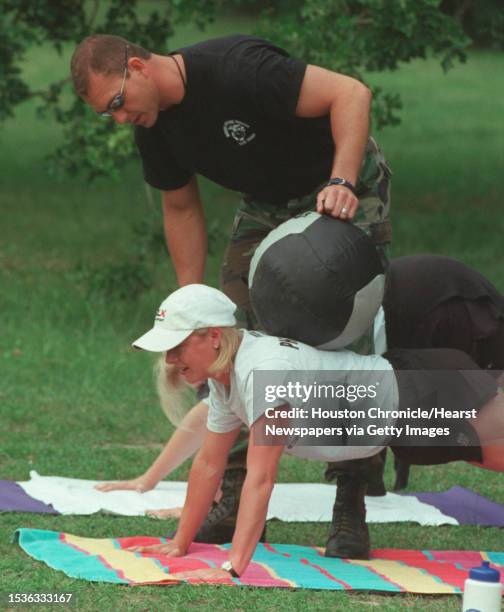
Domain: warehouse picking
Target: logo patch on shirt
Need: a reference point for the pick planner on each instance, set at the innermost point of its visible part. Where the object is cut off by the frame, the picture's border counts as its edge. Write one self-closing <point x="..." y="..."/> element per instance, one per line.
<point x="239" y="131"/>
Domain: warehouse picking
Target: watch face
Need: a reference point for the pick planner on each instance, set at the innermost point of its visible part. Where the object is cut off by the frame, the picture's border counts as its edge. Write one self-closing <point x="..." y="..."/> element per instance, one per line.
<point x="341" y="181"/>
<point x="228" y="567"/>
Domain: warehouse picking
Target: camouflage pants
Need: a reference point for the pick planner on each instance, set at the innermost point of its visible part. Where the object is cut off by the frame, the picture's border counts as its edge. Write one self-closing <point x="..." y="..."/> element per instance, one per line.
<point x="255" y="219"/>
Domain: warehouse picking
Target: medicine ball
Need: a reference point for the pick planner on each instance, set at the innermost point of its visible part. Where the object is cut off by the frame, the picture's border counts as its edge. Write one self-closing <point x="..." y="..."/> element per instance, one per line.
<point x="318" y="280"/>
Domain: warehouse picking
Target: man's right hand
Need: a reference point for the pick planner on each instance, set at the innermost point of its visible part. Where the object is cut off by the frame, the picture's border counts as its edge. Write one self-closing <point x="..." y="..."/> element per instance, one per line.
<point x="140" y="485"/>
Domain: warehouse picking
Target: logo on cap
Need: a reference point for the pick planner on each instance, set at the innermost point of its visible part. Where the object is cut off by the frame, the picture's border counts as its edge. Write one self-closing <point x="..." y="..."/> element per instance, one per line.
<point x="161" y="315"/>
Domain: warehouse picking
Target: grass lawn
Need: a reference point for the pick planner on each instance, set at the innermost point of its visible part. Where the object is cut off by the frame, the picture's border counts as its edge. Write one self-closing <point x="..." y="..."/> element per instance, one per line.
<point x="75" y="401"/>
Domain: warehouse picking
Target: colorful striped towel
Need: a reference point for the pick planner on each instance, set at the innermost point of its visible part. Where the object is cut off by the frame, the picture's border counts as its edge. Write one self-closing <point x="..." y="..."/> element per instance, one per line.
<point x="273" y="565"/>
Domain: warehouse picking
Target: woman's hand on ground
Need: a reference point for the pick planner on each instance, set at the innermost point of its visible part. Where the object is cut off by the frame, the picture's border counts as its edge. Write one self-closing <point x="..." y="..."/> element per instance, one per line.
<point x="165" y="513"/>
<point x="137" y="484"/>
<point x="170" y="549"/>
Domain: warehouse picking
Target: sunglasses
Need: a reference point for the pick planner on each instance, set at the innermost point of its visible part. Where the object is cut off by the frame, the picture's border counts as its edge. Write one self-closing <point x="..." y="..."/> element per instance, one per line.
<point x="117" y="101"/>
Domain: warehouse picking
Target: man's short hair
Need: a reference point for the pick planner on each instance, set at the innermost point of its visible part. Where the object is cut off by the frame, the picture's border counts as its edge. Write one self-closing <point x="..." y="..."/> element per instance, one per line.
<point x="103" y="54"/>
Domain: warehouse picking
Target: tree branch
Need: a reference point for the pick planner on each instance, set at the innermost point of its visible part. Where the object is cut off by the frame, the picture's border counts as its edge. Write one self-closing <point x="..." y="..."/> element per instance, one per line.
<point x="44" y="93"/>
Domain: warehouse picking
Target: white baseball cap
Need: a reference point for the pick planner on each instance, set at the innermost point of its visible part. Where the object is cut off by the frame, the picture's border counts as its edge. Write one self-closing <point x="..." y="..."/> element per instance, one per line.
<point x="189" y="308"/>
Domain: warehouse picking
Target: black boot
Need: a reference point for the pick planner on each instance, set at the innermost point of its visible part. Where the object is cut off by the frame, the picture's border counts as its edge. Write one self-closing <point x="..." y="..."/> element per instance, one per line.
<point x="370" y="469"/>
<point x="220" y="522"/>
<point x="402" y="470"/>
<point x="349" y="535"/>
<point x="374" y="475"/>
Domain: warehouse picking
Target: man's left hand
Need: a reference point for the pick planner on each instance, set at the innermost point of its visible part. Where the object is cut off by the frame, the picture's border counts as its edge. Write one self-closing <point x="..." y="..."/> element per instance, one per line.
<point x="338" y="202"/>
<point x="205" y="575"/>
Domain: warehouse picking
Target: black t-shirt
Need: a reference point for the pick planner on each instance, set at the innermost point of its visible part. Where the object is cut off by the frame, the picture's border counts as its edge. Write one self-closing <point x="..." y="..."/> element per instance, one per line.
<point x="236" y="124"/>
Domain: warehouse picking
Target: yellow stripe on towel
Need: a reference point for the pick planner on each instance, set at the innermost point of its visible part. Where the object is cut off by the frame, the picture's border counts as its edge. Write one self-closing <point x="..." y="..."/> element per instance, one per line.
<point x="132" y="567"/>
<point x="412" y="579"/>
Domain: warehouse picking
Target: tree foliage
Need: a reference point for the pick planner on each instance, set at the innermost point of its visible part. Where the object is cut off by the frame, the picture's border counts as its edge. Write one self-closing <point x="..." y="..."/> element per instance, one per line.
<point x="352" y="36"/>
<point x="91" y="146"/>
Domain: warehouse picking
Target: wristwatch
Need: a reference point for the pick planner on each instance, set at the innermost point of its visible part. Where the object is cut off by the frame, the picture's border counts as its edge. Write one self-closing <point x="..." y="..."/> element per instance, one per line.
<point x="228" y="566"/>
<point x="340" y="181"/>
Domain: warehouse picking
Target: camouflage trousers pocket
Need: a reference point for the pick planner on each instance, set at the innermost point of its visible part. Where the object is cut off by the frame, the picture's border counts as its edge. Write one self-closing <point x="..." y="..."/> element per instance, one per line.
<point x="381" y="233"/>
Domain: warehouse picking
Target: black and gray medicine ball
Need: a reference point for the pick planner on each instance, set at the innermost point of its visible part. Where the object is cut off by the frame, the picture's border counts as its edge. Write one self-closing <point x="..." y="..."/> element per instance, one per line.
<point x="318" y="280"/>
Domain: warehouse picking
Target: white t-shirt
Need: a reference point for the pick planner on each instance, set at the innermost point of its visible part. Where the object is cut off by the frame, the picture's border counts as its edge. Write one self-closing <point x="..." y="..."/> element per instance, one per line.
<point x="266" y="362"/>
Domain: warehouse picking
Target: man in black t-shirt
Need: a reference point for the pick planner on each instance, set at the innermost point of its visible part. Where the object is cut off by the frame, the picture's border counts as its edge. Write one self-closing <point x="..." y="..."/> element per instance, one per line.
<point x="246" y="115"/>
<point x="240" y="111"/>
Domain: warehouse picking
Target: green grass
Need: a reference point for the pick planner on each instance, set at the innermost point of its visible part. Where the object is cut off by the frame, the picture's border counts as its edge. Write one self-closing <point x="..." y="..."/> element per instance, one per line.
<point x="75" y="401"/>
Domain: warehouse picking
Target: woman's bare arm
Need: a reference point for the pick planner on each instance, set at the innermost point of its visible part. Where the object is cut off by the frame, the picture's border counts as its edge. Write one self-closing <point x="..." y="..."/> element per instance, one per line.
<point x="185" y="441"/>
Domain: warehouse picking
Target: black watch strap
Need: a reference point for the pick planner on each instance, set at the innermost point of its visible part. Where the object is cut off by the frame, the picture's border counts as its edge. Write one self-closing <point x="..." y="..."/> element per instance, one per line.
<point x="340" y="181"/>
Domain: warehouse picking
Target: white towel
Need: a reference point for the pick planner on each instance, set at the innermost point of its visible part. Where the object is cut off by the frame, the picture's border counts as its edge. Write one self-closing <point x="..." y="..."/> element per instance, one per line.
<point x="302" y="502"/>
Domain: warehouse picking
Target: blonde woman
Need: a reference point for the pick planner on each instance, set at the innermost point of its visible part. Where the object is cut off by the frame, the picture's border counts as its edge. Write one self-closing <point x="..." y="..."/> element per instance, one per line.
<point x="430" y="301"/>
<point x="195" y="328"/>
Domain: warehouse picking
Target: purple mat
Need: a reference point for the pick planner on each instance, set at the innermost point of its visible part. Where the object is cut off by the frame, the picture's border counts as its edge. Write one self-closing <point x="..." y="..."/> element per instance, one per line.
<point x="14" y="499"/>
<point x="466" y="506"/>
